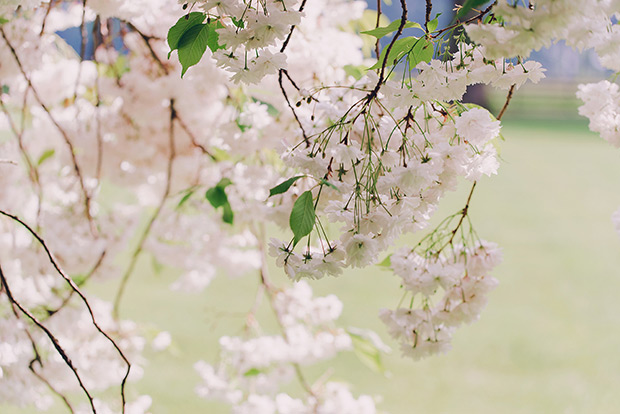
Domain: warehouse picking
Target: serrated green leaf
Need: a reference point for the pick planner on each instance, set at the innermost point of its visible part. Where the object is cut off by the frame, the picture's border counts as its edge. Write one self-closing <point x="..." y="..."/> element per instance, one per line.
<point x="302" y="216"/>
<point x="400" y="48"/>
<point x="185" y="23"/>
<point x="192" y="45"/>
<point x="284" y="186"/>
<point x="468" y="6"/>
<point x="46" y="155"/>
<point x="422" y="51"/>
<point x="380" y="32"/>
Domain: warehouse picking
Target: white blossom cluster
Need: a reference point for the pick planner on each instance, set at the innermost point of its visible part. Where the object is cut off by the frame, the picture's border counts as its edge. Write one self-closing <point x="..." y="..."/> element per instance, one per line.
<point x="251" y="371"/>
<point x="391" y="158"/>
<point x="449" y="289"/>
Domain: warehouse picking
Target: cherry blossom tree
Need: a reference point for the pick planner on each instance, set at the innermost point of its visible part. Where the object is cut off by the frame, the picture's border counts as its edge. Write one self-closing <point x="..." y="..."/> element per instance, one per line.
<point x="217" y="121"/>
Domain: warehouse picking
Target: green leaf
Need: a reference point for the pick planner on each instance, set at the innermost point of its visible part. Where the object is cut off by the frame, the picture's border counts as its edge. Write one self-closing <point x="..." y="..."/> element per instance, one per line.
<point x="192" y="46"/>
<point x="367" y="352"/>
<point x="284" y="186"/>
<point x="46" y="154"/>
<point x="188" y="194"/>
<point x="380" y="32"/>
<point x="422" y="51"/>
<point x="228" y="215"/>
<point x="387" y="262"/>
<point x="158" y="267"/>
<point x="191" y="37"/>
<point x="432" y="25"/>
<point x="356" y="71"/>
<point x="400" y="48"/>
<point x="185" y="23"/>
<point x="252" y="372"/>
<point x="271" y="110"/>
<point x="3" y="20"/>
<point x="218" y="198"/>
<point x="468" y="6"/>
<point x="239" y="23"/>
<point x="327" y="183"/>
<point x="5" y="89"/>
<point x="302" y="216"/>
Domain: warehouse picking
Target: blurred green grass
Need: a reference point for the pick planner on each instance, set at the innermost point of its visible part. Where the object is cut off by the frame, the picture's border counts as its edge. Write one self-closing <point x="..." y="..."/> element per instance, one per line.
<point x="548" y="342"/>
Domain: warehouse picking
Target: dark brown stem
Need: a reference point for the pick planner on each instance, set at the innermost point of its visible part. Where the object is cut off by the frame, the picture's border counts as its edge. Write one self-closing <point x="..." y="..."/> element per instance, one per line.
<point x="288" y="102"/>
<point x="473" y="19"/>
<point x="77" y="290"/>
<point x="290" y="33"/>
<point x="427" y="17"/>
<point x="399" y="32"/>
<point x="64" y="134"/>
<point x="51" y="337"/>
<point x="508" y="98"/>
<point x="378" y="43"/>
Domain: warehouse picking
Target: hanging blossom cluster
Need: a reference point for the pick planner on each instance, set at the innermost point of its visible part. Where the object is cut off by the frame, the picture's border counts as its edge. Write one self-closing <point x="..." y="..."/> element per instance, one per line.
<point x="251" y="371"/>
<point x="457" y="279"/>
<point x="118" y="157"/>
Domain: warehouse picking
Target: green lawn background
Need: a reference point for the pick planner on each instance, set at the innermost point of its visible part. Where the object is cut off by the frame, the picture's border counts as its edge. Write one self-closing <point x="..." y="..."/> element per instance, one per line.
<point x="548" y="342"/>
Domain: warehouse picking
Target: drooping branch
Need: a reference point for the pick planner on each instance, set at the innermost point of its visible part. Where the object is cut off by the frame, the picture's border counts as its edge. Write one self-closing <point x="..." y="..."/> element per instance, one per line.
<point x="63" y="133"/>
<point x="83" y="298"/>
<point x="50" y="336"/>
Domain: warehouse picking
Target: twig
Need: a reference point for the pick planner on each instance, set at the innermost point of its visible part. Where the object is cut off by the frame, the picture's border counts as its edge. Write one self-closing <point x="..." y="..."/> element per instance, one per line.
<point x="476" y="17"/>
<point x="290" y="33"/>
<point x="51" y="337"/>
<point x="378" y="42"/>
<point x="158" y="210"/>
<point x="60" y="129"/>
<point x="508" y="98"/>
<point x="288" y="102"/>
<point x="427" y="17"/>
<point x="77" y="290"/>
<point x="399" y="32"/>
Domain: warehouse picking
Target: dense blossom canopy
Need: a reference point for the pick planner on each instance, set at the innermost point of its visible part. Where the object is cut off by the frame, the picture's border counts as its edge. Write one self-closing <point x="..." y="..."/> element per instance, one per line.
<point x="217" y="119"/>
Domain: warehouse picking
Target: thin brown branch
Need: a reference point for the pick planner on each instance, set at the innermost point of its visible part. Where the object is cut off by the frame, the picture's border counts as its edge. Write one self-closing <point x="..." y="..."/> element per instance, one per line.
<point x="47" y="13"/>
<point x="288" y="102"/>
<point x="427" y="17"/>
<point x="50" y="336"/>
<point x="508" y="99"/>
<point x="290" y="33"/>
<point x="158" y="210"/>
<point x="399" y="32"/>
<point x="194" y="139"/>
<point x="378" y="42"/>
<point x="479" y="16"/>
<point x="76" y="167"/>
<point x="77" y="290"/>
